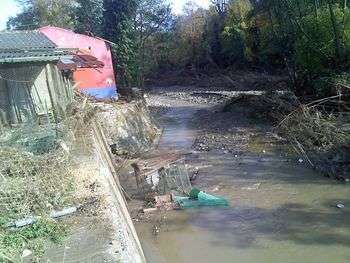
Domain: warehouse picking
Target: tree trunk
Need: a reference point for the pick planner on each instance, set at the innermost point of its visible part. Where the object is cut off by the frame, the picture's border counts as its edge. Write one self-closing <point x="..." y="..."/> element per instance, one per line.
<point x="316" y="10"/>
<point x="335" y="30"/>
<point x="141" y="57"/>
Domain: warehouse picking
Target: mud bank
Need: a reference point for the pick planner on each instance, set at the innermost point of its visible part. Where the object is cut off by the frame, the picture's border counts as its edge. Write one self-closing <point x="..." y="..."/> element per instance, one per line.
<point x="129" y="128"/>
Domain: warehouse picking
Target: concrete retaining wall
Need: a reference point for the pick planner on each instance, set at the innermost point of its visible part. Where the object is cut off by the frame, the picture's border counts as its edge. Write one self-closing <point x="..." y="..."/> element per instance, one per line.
<point x="126" y="234"/>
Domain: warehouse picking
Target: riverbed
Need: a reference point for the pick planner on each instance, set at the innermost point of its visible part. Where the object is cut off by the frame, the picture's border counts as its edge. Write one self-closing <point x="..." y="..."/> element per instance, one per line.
<point x="280" y="209"/>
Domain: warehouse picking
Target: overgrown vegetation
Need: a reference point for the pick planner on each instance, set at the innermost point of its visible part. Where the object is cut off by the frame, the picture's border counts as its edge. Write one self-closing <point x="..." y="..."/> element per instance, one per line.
<point x="321" y="138"/>
<point x="318" y="136"/>
<point x="31" y="186"/>
<point x="31" y="238"/>
<point x="37" y="179"/>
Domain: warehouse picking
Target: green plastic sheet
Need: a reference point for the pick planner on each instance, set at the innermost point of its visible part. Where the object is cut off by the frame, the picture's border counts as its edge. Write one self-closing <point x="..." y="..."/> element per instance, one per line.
<point x="203" y="200"/>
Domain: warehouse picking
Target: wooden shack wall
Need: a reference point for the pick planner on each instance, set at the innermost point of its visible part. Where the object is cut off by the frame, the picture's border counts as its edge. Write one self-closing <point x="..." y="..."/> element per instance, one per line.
<point x="28" y="91"/>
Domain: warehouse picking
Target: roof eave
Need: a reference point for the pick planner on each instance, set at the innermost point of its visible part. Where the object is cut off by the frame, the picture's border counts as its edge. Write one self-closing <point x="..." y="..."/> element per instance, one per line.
<point x="32" y="59"/>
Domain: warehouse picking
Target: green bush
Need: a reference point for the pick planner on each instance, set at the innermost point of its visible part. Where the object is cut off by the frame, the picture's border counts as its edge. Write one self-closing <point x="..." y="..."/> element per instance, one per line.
<point x="34" y="238"/>
<point x="315" y="48"/>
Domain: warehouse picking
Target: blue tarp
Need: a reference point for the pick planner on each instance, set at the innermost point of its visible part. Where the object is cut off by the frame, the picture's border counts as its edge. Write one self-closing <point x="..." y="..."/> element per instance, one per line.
<point x="101" y="93"/>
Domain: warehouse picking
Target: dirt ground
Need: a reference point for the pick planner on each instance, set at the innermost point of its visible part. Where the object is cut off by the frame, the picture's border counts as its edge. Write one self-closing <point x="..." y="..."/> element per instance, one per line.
<point x="219" y="130"/>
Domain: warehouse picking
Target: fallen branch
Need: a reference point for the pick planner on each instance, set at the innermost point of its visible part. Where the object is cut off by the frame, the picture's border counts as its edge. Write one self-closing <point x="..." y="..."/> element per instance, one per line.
<point x="303" y="152"/>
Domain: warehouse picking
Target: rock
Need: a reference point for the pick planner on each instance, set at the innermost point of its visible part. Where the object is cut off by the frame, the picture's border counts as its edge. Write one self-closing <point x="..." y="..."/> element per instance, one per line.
<point x="155" y="230"/>
<point x="64" y="146"/>
<point x="216" y="189"/>
<point x="194" y="176"/>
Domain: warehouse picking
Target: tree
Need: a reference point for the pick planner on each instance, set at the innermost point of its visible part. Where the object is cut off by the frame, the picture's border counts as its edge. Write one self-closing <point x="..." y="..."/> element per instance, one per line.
<point x="221" y="6"/>
<point x="130" y="25"/>
<point x="119" y="28"/>
<point x="89" y="17"/>
<point x="152" y="16"/>
<point x="38" y="13"/>
<point x="191" y="28"/>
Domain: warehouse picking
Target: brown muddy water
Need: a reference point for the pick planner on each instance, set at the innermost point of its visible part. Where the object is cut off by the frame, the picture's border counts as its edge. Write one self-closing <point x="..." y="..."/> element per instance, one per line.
<point x="281" y="210"/>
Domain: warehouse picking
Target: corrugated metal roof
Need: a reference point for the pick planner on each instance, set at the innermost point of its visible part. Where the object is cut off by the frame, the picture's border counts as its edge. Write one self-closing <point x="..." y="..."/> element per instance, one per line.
<point x="28" y="46"/>
<point x="24" y="40"/>
<point x="33" y="56"/>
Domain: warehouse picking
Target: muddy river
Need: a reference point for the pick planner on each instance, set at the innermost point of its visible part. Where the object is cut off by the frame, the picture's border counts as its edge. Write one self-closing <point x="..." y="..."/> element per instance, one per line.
<point x="280" y="209"/>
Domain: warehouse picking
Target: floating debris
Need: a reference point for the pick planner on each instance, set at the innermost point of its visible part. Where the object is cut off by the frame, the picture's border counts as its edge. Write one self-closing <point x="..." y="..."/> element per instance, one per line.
<point x="340" y="206"/>
<point x="199" y="198"/>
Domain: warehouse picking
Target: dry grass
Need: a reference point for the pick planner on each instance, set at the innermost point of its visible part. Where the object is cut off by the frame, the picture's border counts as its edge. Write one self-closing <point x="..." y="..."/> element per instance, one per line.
<point x="322" y="138"/>
<point x="33" y="185"/>
<point x="318" y="131"/>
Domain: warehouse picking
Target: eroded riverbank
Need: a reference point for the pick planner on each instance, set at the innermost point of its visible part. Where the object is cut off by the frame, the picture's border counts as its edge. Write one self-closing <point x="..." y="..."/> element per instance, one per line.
<point x="281" y="210"/>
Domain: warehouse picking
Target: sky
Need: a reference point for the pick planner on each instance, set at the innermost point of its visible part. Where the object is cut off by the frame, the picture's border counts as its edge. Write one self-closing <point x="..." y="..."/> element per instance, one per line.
<point x="9" y="8"/>
<point x="178" y="4"/>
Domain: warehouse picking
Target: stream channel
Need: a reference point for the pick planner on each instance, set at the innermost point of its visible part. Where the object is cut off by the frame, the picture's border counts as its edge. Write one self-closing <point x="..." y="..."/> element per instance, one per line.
<point x="280" y="210"/>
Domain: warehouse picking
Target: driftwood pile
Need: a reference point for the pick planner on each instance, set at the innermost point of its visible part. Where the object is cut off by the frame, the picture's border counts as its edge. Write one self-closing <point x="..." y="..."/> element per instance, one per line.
<point x="318" y="131"/>
<point x="271" y="106"/>
<point x="323" y="139"/>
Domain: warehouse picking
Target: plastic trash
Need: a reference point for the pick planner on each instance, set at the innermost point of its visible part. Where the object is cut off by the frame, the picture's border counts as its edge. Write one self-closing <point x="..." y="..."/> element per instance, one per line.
<point x="203" y="200"/>
<point x="26" y="253"/>
<point x="194" y="193"/>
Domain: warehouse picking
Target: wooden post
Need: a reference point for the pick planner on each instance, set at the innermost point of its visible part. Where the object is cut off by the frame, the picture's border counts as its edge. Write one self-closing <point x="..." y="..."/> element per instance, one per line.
<point x="12" y="113"/>
<point x="49" y="85"/>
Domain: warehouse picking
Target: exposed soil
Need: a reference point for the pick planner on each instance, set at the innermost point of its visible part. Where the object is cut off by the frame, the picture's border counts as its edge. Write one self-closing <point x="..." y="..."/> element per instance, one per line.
<point x="229" y="131"/>
<point x="237" y="79"/>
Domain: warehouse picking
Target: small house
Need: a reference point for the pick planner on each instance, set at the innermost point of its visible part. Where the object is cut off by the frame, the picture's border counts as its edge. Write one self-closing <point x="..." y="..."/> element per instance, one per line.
<point x="99" y="83"/>
<point x="31" y="84"/>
